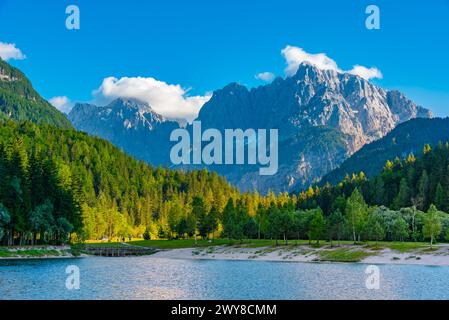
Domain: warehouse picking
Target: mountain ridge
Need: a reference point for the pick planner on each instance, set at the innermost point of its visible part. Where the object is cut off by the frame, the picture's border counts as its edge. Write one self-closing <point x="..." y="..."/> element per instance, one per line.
<point x="323" y="117"/>
<point x="130" y="124"/>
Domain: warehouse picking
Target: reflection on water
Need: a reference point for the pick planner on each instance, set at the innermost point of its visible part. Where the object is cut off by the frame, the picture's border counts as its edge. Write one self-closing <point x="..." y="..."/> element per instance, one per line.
<point x="155" y="278"/>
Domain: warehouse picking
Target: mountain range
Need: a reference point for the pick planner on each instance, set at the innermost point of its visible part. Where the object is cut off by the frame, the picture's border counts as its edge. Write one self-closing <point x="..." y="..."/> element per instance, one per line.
<point x="323" y="117"/>
<point x="330" y="124"/>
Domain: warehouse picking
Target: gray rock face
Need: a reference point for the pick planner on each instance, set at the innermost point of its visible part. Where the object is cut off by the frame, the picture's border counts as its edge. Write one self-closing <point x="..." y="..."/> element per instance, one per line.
<point x="313" y="97"/>
<point x="323" y="117"/>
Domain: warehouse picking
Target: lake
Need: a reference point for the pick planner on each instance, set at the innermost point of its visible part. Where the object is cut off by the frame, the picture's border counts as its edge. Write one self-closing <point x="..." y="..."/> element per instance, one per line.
<point x="158" y="278"/>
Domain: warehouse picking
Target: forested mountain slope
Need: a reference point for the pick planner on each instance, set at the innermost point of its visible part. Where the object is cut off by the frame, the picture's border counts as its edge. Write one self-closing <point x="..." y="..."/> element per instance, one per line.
<point x="408" y="137"/>
<point x="19" y="101"/>
<point x="418" y="180"/>
<point x="118" y="195"/>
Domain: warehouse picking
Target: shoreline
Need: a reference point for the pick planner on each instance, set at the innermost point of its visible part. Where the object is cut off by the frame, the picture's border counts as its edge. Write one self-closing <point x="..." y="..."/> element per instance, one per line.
<point x="41" y="258"/>
<point x="305" y="254"/>
<point x="439" y="256"/>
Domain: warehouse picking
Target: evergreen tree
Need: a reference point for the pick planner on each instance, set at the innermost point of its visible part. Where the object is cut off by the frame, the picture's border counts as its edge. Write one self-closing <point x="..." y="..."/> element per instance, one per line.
<point x="403" y="197"/>
<point x="423" y="189"/>
<point x="440" y="198"/>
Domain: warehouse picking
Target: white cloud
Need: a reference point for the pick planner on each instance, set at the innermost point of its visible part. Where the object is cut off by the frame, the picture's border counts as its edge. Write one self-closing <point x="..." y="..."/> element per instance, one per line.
<point x="366" y="73"/>
<point x="169" y="100"/>
<point x="62" y="103"/>
<point x="294" y="56"/>
<point x="265" y="76"/>
<point x="9" y="51"/>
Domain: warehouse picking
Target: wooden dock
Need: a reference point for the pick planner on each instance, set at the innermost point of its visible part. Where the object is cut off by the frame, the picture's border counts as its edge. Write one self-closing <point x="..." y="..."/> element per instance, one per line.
<point x="119" y="251"/>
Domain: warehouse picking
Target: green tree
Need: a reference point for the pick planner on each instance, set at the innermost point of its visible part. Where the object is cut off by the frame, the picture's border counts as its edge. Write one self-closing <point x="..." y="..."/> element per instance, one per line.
<point x="207" y="222"/>
<point x="228" y="219"/>
<point x="146" y="234"/>
<point x="375" y="228"/>
<point x="335" y="226"/>
<point x="440" y="198"/>
<point x="403" y="197"/>
<point x="42" y="220"/>
<point x="399" y="229"/>
<point x="213" y="219"/>
<point x="5" y="219"/>
<point x="301" y="223"/>
<point x="285" y="223"/>
<point x="174" y="218"/>
<point x="317" y="226"/>
<point x="378" y="232"/>
<point x="198" y="211"/>
<point x="423" y="190"/>
<point x="278" y="221"/>
<point x="250" y="228"/>
<point x="356" y="213"/>
<point x="432" y="224"/>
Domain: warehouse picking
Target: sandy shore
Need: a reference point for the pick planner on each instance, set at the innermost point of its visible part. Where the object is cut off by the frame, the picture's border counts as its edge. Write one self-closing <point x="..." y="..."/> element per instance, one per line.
<point x="439" y="257"/>
<point x="300" y="253"/>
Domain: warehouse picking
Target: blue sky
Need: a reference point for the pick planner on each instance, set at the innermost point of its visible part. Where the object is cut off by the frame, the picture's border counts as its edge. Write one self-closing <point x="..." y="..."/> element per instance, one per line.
<point x="204" y="45"/>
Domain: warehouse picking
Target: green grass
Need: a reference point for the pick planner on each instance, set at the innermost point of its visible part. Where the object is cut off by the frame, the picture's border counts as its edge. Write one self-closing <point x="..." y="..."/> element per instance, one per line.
<point x="102" y="244"/>
<point x="180" y="243"/>
<point x="4" y="253"/>
<point x="255" y="243"/>
<point x="343" y="255"/>
<point x="404" y="247"/>
<point x="429" y="249"/>
<point x="38" y="253"/>
<point x="190" y="243"/>
<point x="35" y="253"/>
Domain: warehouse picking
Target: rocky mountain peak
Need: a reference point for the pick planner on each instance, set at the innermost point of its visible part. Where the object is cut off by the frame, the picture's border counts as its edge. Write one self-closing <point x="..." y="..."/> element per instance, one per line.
<point x="131" y="104"/>
<point x="357" y="112"/>
<point x="129" y="113"/>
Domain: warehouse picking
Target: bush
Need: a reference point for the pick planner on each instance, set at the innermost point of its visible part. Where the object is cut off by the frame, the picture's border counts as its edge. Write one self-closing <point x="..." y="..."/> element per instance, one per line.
<point x="146" y="234"/>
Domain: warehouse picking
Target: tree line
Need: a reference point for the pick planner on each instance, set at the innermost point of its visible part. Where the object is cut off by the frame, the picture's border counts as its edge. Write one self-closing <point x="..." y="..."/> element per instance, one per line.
<point x="357" y="209"/>
<point x="39" y="201"/>
<point x="58" y="183"/>
<point x="357" y="222"/>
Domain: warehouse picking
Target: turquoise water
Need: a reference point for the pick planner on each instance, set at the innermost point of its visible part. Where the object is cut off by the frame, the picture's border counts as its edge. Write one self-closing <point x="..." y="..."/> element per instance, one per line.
<point x="156" y="278"/>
